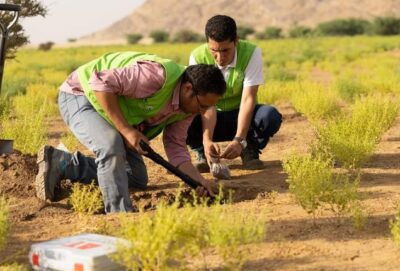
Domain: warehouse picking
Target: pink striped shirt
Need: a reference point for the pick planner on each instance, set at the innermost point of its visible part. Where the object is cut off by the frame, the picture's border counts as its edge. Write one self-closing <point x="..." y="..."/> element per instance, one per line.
<point x="139" y="81"/>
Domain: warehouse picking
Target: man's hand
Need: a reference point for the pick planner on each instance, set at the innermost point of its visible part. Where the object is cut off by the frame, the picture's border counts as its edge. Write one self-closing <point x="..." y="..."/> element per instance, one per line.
<point x="233" y="150"/>
<point x="207" y="188"/>
<point x="132" y="138"/>
<point x="211" y="150"/>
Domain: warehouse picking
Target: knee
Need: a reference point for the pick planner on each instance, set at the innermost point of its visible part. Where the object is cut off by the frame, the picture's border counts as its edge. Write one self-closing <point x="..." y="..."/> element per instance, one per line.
<point x="112" y="147"/>
<point x="268" y="118"/>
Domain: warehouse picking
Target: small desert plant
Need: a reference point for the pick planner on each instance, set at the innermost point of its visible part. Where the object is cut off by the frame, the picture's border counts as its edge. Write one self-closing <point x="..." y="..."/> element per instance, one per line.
<point x="351" y="140"/>
<point x="28" y="130"/>
<point x="4" y="223"/>
<point x="349" y="89"/>
<point x="169" y="238"/>
<point x="395" y="226"/>
<point x="86" y="199"/>
<point x="314" y="184"/>
<point x="70" y="141"/>
<point x="358" y="215"/>
<point x="14" y="267"/>
<point x="315" y="101"/>
<point x="228" y="229"/>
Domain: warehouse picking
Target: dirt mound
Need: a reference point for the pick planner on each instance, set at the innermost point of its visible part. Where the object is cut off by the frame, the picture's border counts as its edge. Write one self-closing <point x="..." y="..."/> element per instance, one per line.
<point x="17" y="175"/>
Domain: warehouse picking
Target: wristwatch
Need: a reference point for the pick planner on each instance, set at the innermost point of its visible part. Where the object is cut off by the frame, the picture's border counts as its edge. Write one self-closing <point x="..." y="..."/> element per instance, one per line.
<point x="241" y="141"/>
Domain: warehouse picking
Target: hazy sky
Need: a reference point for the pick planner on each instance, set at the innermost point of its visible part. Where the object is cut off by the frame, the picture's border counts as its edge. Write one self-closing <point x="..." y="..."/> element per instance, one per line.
<point x="75" y="18"/>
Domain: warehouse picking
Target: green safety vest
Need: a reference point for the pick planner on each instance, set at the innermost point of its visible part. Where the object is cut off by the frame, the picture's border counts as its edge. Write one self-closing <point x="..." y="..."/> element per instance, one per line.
<point x="135" y="111"/>
<point x="234" y="85"/>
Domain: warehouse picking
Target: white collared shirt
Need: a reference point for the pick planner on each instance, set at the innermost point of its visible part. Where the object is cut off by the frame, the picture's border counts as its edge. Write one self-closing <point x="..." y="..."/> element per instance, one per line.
<point x="253" y="75"/>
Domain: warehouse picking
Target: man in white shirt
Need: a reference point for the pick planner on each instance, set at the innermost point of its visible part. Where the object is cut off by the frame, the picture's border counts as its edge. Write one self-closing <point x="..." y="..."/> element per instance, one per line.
<point x="237" y="117"/>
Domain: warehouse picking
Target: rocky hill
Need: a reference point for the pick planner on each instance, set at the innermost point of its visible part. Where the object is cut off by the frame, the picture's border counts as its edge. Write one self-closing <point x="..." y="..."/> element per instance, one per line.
<point x="174" y="15"/>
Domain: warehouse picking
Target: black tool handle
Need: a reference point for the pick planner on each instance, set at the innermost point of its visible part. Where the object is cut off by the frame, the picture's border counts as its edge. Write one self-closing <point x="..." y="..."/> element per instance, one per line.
<point x="161" y="161"/>
<point x="10" y="7"/>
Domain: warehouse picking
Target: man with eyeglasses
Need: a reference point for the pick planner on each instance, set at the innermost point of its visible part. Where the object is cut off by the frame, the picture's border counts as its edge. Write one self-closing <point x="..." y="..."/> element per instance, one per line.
<point x="114" y="102"/>
<point x="237" y="118"/>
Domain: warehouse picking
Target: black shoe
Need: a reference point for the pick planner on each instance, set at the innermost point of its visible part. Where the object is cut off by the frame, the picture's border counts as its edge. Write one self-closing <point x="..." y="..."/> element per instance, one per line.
<point x="201" y="162"/>
<point x="251" y="158"/>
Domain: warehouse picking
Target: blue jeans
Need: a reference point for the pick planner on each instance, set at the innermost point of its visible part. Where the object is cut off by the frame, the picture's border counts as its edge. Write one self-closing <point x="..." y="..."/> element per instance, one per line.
<point x="265" y="123"/>
<point x="115" y="167"/>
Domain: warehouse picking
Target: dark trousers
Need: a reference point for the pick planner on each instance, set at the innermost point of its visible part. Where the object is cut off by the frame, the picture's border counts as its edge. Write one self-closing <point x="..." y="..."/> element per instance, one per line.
<point x="265" y="123"/>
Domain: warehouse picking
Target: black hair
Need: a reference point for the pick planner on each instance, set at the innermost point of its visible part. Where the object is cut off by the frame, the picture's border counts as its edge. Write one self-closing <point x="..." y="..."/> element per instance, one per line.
<point x="205" y="79"/>
<point x="221" y="28"/>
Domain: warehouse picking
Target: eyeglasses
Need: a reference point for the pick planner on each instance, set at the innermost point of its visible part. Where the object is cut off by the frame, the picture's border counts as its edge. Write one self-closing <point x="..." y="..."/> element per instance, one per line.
<point x="202" y="107"/>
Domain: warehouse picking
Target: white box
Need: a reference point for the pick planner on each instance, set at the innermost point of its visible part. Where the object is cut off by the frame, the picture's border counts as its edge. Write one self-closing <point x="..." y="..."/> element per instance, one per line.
<point x="84" y="252"/>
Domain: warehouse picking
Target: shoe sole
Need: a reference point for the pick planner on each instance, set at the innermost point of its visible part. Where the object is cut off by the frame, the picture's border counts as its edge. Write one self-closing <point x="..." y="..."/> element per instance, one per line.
<point x="40" y="181"/>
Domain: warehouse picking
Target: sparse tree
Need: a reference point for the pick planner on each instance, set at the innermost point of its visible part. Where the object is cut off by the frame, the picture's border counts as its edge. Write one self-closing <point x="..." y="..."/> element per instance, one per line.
<point x="244" y="31"/>
<point x="134" y="38"/>
<point x="159" y="36"/>
<point x="299" y="31"/>
<point x="270" y="33"/>
<point x="387" y="26"/>
<point x="186" y="35"/>
<point x="343" y="27"/>
<point x="46" y="46"/>
<point x="16" y="36"/>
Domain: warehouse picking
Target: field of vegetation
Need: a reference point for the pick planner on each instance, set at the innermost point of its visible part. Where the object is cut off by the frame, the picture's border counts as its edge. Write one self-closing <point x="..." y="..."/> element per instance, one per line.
<point x="327" y="199"/>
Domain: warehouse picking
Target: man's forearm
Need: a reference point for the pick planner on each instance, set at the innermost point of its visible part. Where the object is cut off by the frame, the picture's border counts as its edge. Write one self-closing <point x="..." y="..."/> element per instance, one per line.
<point x="245" y="114"/>
<point x="189" y="169"/>
<point x="209" y="120"/>
<point x="109" y="102"/>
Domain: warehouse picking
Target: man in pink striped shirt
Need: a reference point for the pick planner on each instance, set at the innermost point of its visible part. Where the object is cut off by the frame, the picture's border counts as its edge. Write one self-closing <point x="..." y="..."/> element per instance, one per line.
<point x="118" y="163"/>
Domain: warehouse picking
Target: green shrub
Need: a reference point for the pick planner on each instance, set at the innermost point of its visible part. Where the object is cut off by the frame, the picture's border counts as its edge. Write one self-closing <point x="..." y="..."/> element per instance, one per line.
<point x="185" y="36"/>
<point x="134" y="38"/>
<point x="70" y="141"/>
<point x="351" y="140"/>
<point x="14" y="267"/>
<point x="386" y="26"/>
<point x="15" y="86"/>
<point x="314" y="101"/>
<point x="159" y="36"/>
<point x="172" y="236"/>
<point x="4" y="106"/>
<point x="29" y="130"/>
<point x="270" y="33"/>
<point x="275" y="92"/>
<point x="299" y="32"/>
<point x="86" y="199"/>
<point x="244" y="31"/>
<point x="46" y="46"/>
<point x="395" y="227"/>
<point x="358" y="215"/>
<point x="377" y="109"/>
<point x="349" y="89"/>
<point x="279" y="73"/>
<point x="314" y="185"/>
<point x="343" y="27"/>
<point x="4" y="223"/>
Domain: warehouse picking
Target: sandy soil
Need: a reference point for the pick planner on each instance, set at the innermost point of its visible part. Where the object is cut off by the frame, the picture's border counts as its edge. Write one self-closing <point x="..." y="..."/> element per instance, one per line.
<point x="293" y="242"/>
